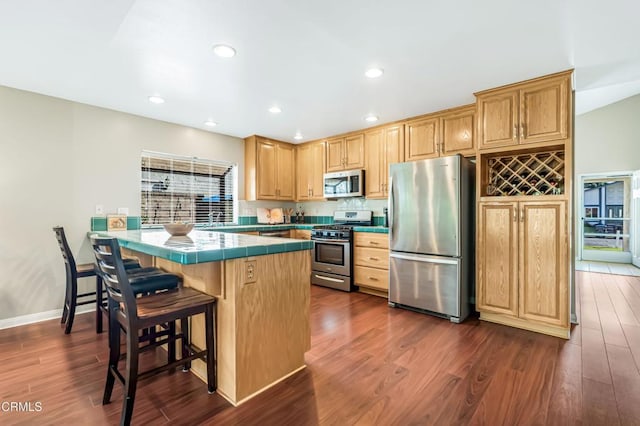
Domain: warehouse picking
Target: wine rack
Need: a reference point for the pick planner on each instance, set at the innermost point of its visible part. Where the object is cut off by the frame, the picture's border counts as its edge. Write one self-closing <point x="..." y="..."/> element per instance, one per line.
<point x="537" y="173"/>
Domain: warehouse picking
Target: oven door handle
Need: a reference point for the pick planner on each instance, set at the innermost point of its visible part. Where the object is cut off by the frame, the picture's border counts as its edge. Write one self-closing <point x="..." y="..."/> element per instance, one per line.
<point x="322" y="240"/>
<point x="320" y="277"/>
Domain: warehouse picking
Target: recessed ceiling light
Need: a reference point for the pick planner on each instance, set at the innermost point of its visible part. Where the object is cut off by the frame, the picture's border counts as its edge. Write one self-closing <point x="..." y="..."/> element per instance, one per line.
<point x="374" y="72"/>
<point x="275" y="110"/>
<point x="371" y="118"/>
<point x="210" y="123"/>
<point x="156" y="99"/>
<point x="298" y="137"/>
<point x="224" y="51"/>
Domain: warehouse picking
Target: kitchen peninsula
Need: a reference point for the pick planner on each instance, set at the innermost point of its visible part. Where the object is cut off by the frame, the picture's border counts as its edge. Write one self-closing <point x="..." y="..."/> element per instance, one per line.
<point x="262" y="286"/>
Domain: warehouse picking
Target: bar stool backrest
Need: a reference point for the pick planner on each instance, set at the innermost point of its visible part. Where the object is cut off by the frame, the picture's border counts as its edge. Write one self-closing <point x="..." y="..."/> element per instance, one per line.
<point x="67" y="256"/>
<point x="114" y="275"/>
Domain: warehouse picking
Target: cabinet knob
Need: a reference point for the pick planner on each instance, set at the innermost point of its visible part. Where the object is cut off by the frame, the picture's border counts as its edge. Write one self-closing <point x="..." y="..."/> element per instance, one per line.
<point x="522" y="215"/>
<point x="521" y="131"/>
<point x="515" y="131"/>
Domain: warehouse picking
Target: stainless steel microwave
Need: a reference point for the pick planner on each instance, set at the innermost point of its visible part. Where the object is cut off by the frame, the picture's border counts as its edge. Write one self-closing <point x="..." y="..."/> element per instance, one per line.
<point x="349" y="183"/>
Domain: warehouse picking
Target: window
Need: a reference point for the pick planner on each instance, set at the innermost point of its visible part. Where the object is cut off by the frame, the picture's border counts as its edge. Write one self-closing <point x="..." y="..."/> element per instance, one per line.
<point x="177" y="189"/>
<point x="591" y="212"/>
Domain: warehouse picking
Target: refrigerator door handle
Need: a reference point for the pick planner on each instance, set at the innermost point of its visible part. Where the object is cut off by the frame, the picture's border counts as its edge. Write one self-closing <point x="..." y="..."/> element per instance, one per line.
<point x="430" y="259"/>
<point x="390" y="203"/>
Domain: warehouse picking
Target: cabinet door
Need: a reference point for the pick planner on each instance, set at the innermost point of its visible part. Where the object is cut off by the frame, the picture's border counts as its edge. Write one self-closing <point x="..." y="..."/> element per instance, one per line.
<point x="335" y="155"/>
<point x="374" y="164"/>
<point x="543" y="261"/>
<point x="544" y="111"/>
<point x="458" y="133"/>
<point x="285" y="161"/>
<point x="316" y="169"/>
<point x="354" y="151"/>
<point x="303" y="167"/>
<point x="422" y="139"/>
<point x="497" y="249"/>
<point x="498" y="119"/>
<point x="266" y="170"/>
<point x="394" y="151"/>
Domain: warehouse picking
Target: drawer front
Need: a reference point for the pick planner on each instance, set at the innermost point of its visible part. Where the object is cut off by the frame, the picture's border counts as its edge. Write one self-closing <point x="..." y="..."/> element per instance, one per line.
<point x="370" y="239"/>
<point x="372" y="277"/>
<point x="373" y="257"/>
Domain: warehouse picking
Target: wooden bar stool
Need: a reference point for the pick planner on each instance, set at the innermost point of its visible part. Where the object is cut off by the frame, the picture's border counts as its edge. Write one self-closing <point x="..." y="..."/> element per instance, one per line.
<point x="131" y="314"/>
<point x="144" y="280"/>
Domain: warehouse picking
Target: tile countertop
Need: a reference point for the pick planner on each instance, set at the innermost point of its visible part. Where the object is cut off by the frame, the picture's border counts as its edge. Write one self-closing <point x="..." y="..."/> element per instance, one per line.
<point x="202" y="245"/>
<point x="307" y="226"/>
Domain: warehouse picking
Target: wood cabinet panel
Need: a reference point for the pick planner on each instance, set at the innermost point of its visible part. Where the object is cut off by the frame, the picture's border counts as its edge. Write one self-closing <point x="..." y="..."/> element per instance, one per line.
<point x="542" y="263"/>
<point x="316" y="168"/>
<point x="354" y="151"/>
<point x="498" y="258"/>
<point x="309" y="171"/>
<point x="422" y="139"/>
<point x="458" y="133"/>
<point x="374" y="163"/>
<point x="372" y="277"/>
<point x="373" y="257"/>
<point x="544" y="111"/>
<point x="371" y="239"/>
<point x="269" y="169"/>
<point x="285" y="172"/>
<point x="266" y="177"/>
<point x="498" y="124"/>
<point x="531" y="112"/>
<point x="335" y="155"/>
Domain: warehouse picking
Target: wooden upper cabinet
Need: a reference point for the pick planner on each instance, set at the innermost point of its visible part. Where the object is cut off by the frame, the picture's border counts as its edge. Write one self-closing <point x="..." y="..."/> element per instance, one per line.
<point x="345" y="153"/>
<point x="310" y="171"/>
<point x="383" y="146"/>
<point x="269" y="169"/>
<point x="458" y="131"/>
<point x="422" y="139"/>
<point x="536" y="111"/>
<point x="444" y="133"/>
<point x="285" y="172"/>
<point x="266" y="177"/>
<point x="374" y="163"/>
<point x="544" y="111"/>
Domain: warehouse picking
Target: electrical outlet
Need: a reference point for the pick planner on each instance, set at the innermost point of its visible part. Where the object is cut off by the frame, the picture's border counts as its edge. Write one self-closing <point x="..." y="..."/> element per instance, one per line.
<point x="250" y="272"/>
<point x="99" y="209"/>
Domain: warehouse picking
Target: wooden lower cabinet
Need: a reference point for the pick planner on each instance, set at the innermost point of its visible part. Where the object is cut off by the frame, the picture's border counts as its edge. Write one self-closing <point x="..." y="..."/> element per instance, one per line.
<point x="523" y="265"/>
<point x="371" y="263"/>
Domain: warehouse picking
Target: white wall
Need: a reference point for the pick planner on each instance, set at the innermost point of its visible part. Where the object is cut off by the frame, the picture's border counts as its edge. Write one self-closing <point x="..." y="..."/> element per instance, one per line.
<point x="58" y="159"/>
<point x="608" y="139"/>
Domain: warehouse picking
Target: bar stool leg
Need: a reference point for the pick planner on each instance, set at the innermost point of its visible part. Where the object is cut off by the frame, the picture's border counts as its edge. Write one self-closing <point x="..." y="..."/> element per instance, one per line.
<point x="73" y="293"/>
<point x="184" y="325"/>
<point x="99" y="302"/>
<point x="171" y="345"/>
<point x="131" y="379"/>
<point x="114" y="353"/>
<point x="211" y="348"/>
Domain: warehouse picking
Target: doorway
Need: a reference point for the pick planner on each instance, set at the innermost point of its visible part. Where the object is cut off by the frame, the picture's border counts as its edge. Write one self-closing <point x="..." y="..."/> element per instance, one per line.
<point x="606" y="213"/>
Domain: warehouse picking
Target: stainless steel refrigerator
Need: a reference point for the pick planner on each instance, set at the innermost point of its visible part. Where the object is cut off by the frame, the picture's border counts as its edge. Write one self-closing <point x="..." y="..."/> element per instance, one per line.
<point x="431" y="235"/>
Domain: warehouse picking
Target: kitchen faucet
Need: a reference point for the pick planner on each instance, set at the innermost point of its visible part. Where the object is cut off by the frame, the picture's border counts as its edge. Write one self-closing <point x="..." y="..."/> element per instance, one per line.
<point x="217" y="223"/>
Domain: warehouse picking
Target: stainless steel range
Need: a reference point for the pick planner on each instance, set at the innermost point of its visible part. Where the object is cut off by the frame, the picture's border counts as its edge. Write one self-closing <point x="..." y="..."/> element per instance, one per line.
<point x="332" y="263"/>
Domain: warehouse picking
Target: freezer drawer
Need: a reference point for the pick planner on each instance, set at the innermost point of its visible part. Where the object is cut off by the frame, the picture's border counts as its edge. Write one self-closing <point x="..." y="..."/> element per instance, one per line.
<point x="430" y="283"/>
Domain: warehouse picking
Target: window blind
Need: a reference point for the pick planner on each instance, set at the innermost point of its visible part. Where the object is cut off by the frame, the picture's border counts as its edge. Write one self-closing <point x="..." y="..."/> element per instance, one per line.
<point x="186" y="189"/>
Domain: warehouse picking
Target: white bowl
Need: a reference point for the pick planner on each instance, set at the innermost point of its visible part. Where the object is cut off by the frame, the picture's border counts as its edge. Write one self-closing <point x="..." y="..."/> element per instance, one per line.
<point x="178" y="229"/>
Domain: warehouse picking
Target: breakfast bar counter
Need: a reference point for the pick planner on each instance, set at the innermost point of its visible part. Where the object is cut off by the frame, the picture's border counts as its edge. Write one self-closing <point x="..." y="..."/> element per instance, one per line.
<point x="263" y="291"/>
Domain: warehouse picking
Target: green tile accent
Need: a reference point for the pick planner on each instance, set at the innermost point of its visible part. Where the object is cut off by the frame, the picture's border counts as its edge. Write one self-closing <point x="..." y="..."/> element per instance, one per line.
<point x="134" y="222"/>
<point x="232" y="253"/>
<point x="247" y="220"/>
<point x="256" y="250"/>
<point x="378" y="220"/>
<point x="98" y="223"/>
<point x="277" y="248"/>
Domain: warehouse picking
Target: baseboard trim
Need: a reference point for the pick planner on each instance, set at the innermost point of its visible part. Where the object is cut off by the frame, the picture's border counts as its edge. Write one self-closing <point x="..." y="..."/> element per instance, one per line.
<point x="40" y="316"/>
<point x="551" y="330"/>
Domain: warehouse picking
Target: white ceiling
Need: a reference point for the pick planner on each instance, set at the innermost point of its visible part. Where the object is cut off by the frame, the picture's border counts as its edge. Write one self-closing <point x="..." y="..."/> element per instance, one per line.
<point x="309" y="57"/>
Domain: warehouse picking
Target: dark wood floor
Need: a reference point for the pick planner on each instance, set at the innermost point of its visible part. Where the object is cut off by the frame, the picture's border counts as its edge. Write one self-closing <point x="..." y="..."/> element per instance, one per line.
<point x="369" y="365"/>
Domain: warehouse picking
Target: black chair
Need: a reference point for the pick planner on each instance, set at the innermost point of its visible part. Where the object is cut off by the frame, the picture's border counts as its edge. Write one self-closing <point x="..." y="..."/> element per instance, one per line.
<point x="133" y="314"/>
<point x="144" y="280"/>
